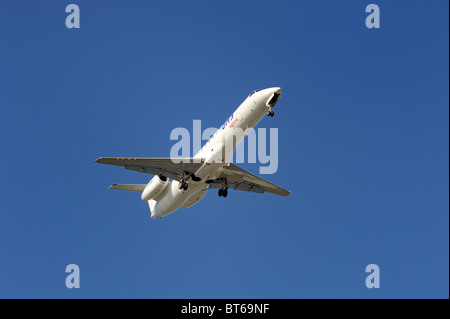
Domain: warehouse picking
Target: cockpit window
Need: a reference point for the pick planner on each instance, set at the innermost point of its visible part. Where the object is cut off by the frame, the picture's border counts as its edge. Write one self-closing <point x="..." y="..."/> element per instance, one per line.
<point x="254" y="92"/>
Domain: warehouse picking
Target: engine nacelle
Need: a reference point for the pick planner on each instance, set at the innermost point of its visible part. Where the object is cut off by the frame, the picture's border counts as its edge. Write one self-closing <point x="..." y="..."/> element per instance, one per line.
<point x="155" y="187"/>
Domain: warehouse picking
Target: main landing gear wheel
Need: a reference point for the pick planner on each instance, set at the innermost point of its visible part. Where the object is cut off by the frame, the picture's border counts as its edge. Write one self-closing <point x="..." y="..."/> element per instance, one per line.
<point x="183" y="185"/>
<point x="270" y="113"/>
<point x="223" y="192"/>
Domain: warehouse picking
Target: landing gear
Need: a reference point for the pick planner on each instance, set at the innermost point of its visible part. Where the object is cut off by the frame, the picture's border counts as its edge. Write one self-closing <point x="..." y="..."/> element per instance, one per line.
<point x="183" y="185"/>
<point x="223" y="192"/>
<point x="185" y="179"/>
<point x="270" y="113"/>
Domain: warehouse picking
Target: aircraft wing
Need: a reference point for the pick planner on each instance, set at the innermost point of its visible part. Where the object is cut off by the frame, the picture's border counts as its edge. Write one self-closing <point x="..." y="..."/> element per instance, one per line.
<point x="240" y="179"/>
<point x="167" y="167"/>
<point x="236" y="177"/>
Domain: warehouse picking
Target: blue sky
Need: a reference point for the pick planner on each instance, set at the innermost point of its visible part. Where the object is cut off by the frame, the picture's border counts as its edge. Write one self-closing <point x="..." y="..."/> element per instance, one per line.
<point x="363" y="147"/>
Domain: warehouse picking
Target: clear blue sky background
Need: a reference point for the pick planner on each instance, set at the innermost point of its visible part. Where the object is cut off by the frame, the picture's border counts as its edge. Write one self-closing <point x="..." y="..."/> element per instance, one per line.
<point x="363" y="146"/>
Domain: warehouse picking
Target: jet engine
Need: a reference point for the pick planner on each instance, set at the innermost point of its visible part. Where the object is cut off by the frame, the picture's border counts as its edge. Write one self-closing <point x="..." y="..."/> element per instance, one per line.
<point x="155" y="187"/>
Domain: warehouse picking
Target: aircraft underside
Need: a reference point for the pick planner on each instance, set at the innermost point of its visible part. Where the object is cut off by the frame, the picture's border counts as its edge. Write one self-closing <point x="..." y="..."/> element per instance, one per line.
<point x="185" y="181"/>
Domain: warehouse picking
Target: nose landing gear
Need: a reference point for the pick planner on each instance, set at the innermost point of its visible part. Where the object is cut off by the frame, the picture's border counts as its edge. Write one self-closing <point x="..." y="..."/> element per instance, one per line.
<point x="270" y="113"/>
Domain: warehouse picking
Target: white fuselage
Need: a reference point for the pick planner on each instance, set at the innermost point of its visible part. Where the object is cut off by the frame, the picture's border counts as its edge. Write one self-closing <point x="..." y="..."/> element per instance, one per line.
<point x="216" y="153"/>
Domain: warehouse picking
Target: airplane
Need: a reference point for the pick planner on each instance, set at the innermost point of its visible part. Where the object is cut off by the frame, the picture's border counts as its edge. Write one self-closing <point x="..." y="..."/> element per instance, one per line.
<point x="191" y="177"/>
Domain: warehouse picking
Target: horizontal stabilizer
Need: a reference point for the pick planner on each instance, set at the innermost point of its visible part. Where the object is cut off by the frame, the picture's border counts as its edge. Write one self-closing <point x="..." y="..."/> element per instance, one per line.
<point x="129" y="187"/>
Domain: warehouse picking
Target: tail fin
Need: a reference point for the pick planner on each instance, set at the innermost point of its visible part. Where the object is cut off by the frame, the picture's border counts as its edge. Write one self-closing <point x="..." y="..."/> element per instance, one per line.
<point x="152" y="204"/>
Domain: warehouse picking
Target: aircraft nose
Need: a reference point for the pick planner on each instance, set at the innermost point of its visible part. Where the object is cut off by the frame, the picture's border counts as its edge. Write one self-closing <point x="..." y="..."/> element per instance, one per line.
<point x="274" y="90"/>
<point x="274" y="96"/>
